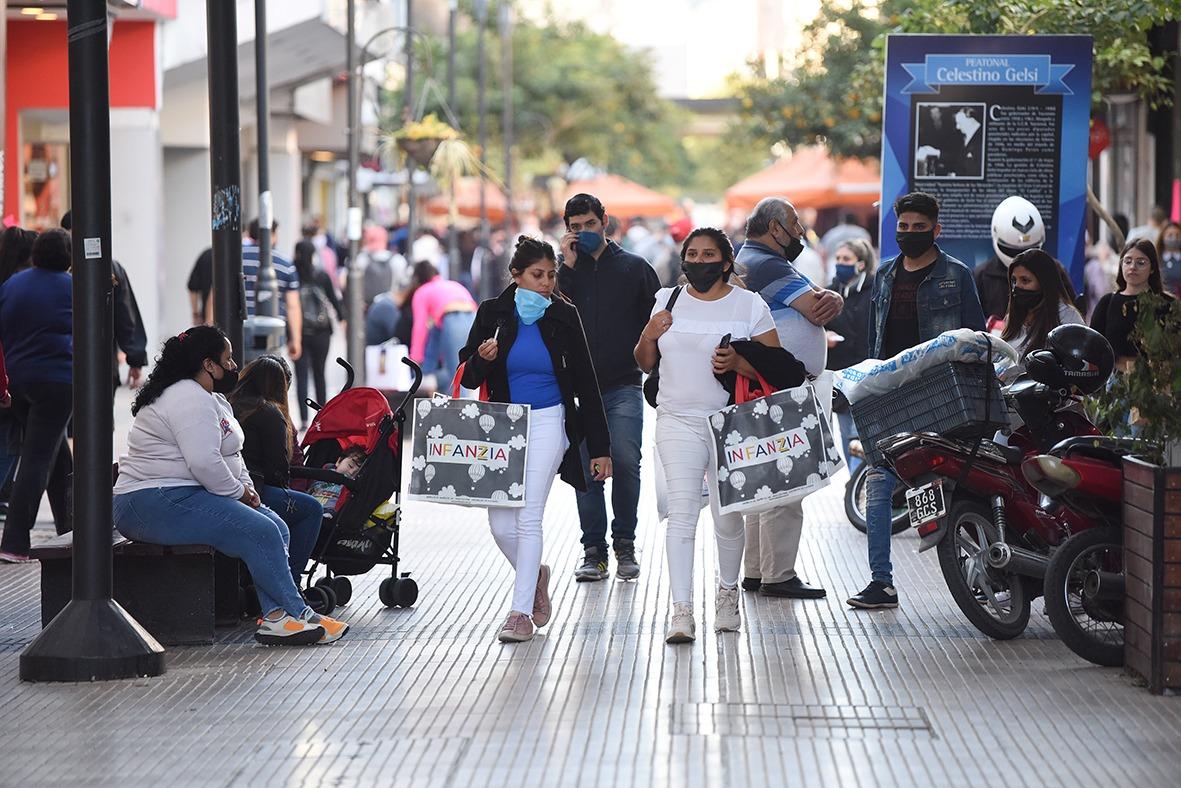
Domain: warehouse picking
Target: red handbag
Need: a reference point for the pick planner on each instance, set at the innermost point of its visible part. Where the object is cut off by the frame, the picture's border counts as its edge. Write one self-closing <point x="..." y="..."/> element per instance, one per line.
<point x="459" y="376"/>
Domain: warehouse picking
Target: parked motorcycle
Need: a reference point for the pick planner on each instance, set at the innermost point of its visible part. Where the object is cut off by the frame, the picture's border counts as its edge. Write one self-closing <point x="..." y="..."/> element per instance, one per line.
<point x="972" y="500"/>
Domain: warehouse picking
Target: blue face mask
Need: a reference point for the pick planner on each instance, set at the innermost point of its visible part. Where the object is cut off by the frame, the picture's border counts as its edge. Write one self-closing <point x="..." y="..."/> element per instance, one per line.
<point x="531" y="305"/>
<point x="589" y="242"/>
<point x="846" y="273"/>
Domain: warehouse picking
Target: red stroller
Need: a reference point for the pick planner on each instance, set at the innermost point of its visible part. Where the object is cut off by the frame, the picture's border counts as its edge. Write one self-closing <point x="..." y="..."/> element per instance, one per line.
<point x="350" y="542"/>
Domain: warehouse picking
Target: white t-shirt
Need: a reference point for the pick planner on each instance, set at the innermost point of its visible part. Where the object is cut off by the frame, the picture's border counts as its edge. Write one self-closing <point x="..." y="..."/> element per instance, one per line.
<point x="687" y="383"/>
<point x="186" y="437"/>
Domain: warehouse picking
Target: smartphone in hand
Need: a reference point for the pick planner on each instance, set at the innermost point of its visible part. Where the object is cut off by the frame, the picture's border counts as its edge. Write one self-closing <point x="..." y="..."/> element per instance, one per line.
<point x="725" y="341"/>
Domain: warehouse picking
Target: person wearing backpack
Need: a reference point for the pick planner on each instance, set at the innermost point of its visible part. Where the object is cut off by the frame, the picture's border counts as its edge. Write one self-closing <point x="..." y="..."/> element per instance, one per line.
<point x="382" y="271"/>
<point x="318" y="302"/>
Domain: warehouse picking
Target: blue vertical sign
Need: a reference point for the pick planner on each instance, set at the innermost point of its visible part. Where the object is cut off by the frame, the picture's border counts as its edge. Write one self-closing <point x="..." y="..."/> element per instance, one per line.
<point x="975" y="119"/>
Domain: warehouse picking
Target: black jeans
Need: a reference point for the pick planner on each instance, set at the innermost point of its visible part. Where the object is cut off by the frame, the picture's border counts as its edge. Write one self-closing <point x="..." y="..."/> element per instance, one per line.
<point x="42" y="411"/>
<point x="314" y="357"/>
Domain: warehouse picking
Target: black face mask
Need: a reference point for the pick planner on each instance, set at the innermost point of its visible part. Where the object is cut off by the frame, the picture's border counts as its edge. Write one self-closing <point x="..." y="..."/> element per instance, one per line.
<point x="227" y="382"/>
<point x="702" y="276"/>
<point x="1026" y="299"/>
<point x="916" y="244"/>
<point x="792" y="250"/>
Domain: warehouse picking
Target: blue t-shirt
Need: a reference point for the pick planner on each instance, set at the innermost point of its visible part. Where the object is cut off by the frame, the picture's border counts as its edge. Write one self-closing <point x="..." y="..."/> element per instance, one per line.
<point x="285" y="273"/>
<point x="36" y="327"/>
<point x="531" y="379"/>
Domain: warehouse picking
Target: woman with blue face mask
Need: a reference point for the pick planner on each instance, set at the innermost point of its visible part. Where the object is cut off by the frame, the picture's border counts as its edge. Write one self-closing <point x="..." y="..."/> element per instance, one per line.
<point x="848" y="332"/>
<point x="528" y="346"/>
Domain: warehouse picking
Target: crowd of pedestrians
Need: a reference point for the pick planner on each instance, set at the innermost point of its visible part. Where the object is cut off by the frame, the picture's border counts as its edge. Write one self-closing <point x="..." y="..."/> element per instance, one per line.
<point x="572" y="336"/>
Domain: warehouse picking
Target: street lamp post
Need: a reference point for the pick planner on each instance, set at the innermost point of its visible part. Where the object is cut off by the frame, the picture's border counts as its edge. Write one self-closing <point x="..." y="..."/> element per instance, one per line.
<point x="482" y="136"/>
<point x="452" y="232"/>
<point x="266" y="295"/>
<point x="92" y="638"/>
<point x="506" y="87"/>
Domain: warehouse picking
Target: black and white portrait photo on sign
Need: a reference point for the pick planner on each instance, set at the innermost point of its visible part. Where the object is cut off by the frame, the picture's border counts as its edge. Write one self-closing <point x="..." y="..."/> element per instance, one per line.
<point x="949" y="142"/>
<point x="469" y="453"/>
<point x="772" y="450"/>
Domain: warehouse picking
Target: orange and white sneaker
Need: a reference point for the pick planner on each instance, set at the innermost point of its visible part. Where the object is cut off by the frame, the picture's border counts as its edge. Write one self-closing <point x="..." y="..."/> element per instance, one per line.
<point x="288" y="630"/>
<point x="333" y="630"/>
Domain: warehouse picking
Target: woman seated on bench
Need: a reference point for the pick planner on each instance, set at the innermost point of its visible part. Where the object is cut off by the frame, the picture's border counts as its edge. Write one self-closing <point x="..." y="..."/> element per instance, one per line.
<point x="183" y="481"/>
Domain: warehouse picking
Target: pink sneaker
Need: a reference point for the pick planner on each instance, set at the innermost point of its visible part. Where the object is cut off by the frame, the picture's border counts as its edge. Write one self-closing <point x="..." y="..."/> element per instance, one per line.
<point x="14" y="558"/>
<point x="517" y="629"/>
<point x="542" y="609"/>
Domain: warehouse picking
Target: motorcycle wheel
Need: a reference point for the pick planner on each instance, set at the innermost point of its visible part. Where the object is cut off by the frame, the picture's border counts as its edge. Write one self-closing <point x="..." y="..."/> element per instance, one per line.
<point x="995" y="602"/>
<point x="1090" y="628"/>
<point x="856" y="495"/>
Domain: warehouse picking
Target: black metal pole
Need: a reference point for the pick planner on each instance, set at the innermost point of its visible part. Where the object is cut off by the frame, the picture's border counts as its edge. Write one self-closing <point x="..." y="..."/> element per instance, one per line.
<point x="506" y="87"/>
<point x="266" y="295"/>
<point x="452" y="232"/>
<point x="92" y="638"/>
<point x="356" y="299"/>
<point x="225" y="169"/>
<point x="482" y="136"/>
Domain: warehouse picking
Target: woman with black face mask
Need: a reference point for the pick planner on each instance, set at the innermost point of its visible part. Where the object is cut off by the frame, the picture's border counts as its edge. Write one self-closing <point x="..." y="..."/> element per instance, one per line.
<point x="684" y="340"/>
<point x="183" y="481"/>
<point x="1039" y="301"/>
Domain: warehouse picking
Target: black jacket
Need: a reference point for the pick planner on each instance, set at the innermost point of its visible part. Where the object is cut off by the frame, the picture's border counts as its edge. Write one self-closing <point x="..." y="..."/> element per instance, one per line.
<point x="778" y="367"/>
<point x="264" y="446"/>
<point x="561" y="330"/>
<point x="852" y="323"/>
<point x="130" y="336"/>
<point x="992" y="283"/>
<point x="614" y="296"/>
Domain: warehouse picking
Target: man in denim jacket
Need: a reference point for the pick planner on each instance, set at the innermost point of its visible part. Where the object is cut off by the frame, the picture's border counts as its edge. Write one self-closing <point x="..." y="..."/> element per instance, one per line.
<point x="916" y="297"/>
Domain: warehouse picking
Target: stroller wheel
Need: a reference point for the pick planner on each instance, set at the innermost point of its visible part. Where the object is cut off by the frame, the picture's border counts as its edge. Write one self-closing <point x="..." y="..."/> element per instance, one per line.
<point x="405" y="592"/>
<point x="385" y="593"/>
<point x="320" y="599"/>
<point x="343" y="588"/>
<point x="323" y="582"/>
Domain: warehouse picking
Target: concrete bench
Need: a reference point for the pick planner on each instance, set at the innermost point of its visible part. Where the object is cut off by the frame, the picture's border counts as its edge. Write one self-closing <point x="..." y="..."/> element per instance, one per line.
<point x="178" y="593"/>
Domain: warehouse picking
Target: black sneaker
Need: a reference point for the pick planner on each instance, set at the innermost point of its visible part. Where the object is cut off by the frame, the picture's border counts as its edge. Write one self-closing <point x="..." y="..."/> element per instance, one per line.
<point x="876" y="596"/>
<point x="751" y="583"/>
<point x="594" y="567"/>
<point x="626" y="566"/>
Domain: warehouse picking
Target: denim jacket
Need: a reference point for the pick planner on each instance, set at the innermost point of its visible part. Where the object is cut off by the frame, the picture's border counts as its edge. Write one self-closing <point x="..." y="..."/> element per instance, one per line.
<point x="947" y="300"/>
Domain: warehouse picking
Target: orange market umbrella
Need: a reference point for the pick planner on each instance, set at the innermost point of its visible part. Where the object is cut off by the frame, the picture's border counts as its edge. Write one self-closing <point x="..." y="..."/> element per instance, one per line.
<point x="467" y="200"/>
<point x="810" y="179"/>
<point x="624" y="199"/>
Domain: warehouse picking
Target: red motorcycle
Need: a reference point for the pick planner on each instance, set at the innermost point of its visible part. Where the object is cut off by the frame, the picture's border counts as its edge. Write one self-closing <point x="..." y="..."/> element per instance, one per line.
<point x="976" y="500"/>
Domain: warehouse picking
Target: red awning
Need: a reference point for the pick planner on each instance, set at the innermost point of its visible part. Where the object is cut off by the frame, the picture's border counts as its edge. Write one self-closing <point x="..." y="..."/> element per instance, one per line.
<point x="624" y="199"/>
<point x="811" y="178"/>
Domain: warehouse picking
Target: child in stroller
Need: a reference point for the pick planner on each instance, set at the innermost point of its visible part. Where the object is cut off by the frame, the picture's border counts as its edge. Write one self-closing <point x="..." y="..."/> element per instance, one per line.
<point x="357" y="427"/>
<point x="328" y="493"/>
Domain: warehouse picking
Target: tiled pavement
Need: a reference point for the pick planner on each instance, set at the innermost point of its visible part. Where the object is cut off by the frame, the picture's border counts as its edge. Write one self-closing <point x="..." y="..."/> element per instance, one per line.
<point x="808" y="693"/>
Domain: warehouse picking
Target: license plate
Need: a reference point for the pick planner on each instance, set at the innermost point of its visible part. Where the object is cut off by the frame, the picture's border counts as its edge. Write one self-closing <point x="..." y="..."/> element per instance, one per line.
<point x="925" y="503"/>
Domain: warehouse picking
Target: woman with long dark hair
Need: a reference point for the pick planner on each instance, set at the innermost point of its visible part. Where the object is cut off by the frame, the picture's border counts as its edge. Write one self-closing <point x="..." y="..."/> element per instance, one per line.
<point x="528" y="346"/>
<point x="1115" y="314"/>
<point x="260" y="405"/>
<point x="318" y="302"/>
<point x="1039" y="301"/>
<point x="183" y="481"/>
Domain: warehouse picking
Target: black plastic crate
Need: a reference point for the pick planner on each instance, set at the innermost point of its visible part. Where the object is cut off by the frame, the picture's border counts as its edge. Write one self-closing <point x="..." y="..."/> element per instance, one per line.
<point x="948" y="399"/>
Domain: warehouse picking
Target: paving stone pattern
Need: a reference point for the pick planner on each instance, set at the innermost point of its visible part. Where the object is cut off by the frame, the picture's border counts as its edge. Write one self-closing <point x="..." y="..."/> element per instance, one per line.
<point x="807" y="694"/>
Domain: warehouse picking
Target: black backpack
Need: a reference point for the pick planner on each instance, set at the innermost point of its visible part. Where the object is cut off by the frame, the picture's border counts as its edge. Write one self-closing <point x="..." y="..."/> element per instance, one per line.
<point x="378" y="276"/>
<point x="317" y="317"/>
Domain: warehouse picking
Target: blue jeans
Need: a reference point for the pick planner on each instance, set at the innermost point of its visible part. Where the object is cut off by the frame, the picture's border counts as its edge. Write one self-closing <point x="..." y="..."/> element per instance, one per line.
<point x="443" y="345"/>
<point x="625" y="421"/>
<point x="848" y="433"/>
<point x="879" y="488"/>
<point x="303" y="515"/>
<point x="193" y="515"/>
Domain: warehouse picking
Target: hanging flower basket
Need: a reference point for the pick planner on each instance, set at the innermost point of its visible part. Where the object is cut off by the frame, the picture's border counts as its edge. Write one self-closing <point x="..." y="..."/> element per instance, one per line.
<point x="420" y="150"/>
<point x="420" y="139"/>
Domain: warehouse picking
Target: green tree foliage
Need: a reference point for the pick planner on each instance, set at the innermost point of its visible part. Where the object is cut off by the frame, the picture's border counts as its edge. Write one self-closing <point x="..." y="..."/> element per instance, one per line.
<point x="576" y="94"/>
<point x="835" y="92"/>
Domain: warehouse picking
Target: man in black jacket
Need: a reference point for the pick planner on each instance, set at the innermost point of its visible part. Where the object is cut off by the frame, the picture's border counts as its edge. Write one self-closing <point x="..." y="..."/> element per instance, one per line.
<point x="614" y="292"/>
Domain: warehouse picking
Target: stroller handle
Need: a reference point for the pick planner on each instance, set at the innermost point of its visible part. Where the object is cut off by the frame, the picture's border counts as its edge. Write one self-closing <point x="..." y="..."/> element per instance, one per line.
<point x="409" y="395"/>
<point x="348" y="369"/>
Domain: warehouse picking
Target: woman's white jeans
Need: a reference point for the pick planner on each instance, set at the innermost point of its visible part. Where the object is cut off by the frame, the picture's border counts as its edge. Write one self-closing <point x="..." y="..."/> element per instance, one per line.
<point x="518" y="531"/>
<point x="683" y="443"/>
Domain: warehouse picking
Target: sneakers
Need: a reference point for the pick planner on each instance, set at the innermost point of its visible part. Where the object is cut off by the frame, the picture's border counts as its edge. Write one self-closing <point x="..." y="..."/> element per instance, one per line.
<point x="626" y="566"/>
<point x="726" y="616"/>
<point x="288" y="630"/>
<point x="681" y="628"/>
<point x="333" y="630"/>
<point x="517" y="629"/>
<point x="876" y="596"/>
<point x="14" y="558"/>
<point x="594" y="567"/>
<point x="542" y="609"/>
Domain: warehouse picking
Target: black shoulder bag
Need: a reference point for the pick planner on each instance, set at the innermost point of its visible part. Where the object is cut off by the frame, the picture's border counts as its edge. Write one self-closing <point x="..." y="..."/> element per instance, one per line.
<point x="652" y="384"/>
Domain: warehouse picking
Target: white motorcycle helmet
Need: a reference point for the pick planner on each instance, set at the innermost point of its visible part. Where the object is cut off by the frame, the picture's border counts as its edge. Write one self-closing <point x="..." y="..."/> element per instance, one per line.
<point x="1016" y="226"/>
